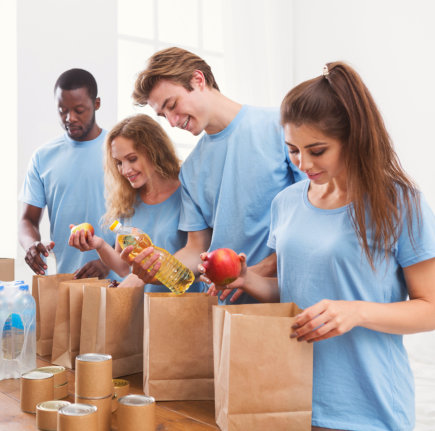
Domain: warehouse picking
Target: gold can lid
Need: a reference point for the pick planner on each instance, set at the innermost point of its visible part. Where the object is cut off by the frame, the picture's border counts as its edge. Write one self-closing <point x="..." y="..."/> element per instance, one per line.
<point x="53" y="369"/>
<point x="119" y="383"/>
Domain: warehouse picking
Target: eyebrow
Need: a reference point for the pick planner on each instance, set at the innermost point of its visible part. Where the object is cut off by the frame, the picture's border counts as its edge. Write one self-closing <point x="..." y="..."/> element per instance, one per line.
<point x="315" y="144"/>
<point x="165" y="103"/>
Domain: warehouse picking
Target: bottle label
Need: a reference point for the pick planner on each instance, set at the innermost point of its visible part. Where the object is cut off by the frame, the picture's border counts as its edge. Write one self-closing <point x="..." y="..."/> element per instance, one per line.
<point x="13" y="336"/>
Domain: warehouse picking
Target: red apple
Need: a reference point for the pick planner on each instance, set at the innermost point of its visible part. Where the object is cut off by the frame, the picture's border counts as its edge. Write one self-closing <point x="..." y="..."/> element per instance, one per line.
<point x="87" y="227"/>
<point x="222" y="266"/>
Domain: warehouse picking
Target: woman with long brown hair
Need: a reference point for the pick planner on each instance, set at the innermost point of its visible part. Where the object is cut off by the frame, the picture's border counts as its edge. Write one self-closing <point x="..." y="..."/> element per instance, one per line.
<point x="355" y="244"/>
<point x="142" y="190"/>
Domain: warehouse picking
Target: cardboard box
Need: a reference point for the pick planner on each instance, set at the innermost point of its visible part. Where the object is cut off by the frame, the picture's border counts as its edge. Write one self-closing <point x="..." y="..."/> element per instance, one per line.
<point x="7" y="269"/>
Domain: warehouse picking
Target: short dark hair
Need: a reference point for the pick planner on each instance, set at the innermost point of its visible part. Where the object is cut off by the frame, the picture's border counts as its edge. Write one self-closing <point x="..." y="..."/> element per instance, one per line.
<point x="77" y="78"/>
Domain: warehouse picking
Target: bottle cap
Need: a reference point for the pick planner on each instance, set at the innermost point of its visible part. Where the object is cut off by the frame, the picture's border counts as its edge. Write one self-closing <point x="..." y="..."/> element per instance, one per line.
<point x="23" y="287"/>
<point x="112" y="227"/>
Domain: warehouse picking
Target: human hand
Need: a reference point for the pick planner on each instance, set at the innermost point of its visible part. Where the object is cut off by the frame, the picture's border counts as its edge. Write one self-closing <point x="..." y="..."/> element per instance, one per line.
<point x="33" y="256"/>
<point x="326" y="319"/>
<point x="145" y="265"/>
<point x="224" y="290"/>
<point x="85" y="240"/>
<point x="94" y="268"/>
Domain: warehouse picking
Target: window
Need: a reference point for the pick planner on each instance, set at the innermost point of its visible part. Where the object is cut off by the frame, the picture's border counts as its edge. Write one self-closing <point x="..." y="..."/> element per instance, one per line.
<point x="146" y="26"/>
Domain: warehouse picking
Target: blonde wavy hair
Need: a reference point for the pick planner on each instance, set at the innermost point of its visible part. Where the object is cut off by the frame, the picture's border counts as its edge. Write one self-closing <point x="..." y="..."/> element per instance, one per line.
<point x="149" y="139"/>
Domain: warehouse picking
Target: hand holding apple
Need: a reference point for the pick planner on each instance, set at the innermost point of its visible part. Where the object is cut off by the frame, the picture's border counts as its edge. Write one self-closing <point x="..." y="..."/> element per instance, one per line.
<point x="82" y="237"/>
<point x="87" y="227"/>
<point x="222" y="266"/>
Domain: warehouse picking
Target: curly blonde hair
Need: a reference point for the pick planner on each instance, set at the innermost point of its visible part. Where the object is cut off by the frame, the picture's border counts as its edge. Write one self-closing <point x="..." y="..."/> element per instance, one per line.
<point x="149" y="139"/>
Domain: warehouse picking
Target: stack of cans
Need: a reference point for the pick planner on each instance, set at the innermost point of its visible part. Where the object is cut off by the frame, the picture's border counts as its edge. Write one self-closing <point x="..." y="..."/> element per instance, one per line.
<point x="94" y="386"/>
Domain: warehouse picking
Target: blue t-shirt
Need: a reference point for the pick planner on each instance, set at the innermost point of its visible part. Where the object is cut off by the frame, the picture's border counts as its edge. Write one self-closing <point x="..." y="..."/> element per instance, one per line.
<point x="362" y="379"/>
<point x="160" y="222"/>
<point x="230" y="179"/>
<point x="67" y="176"/>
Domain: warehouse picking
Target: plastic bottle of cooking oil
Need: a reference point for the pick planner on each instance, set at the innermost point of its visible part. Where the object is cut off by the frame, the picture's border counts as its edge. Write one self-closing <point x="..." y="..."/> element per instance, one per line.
<point x="172" y="273"/>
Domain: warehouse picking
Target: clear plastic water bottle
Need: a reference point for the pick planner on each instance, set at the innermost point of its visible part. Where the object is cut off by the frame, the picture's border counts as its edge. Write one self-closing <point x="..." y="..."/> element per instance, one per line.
<point x="18" y="335"/>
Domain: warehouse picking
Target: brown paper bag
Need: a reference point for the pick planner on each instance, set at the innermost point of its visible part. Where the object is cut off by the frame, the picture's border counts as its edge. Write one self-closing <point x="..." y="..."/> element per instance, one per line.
<point x="178" y="346"/>
<point x="263" y="378"/>
<point x="112" y="323"/>
<point x="44" y="290"/>
<point x="66" y="336"/>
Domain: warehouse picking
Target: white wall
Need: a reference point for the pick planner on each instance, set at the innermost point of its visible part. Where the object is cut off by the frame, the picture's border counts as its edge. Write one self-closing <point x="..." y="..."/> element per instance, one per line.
<point x="391" y="44"/>
<point x="8" y="122"/>
<point x="54" y="36"/>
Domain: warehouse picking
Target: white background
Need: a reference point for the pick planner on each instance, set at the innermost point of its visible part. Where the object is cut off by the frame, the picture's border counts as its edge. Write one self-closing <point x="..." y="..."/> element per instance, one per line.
<point x="258" y="49"/>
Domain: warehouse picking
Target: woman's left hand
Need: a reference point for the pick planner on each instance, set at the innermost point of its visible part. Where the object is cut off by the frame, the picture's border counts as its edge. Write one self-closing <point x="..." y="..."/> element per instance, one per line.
<point x="326" y="319"/>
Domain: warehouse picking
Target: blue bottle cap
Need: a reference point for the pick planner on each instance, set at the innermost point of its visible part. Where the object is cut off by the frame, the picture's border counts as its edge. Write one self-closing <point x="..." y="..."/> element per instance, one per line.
<point x="23" y="287"/>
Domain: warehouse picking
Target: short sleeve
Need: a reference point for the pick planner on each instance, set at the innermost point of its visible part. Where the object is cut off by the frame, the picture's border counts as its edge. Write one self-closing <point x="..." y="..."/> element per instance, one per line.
<point x="420" y="245"/>
<point x="191" y="218"/>
<point x="32" y="191"/>
<point x="271" y="241"/>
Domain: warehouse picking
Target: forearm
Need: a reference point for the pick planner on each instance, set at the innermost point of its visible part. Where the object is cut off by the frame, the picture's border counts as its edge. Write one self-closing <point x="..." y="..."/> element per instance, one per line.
<point x="190" y="258"/>
<point x="197" y="243"/>
<point x="28" y="233"/>
<point x="267" y="267"/>
<point x="111" y="258"/>
<point x="264" y="289"/>
<point x="407" y="317"/>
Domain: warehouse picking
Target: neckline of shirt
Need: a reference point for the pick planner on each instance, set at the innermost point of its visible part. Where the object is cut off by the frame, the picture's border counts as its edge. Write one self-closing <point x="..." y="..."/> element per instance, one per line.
<point x="325" y="211"/>
<point x="235" y="121"/>
<point x="100" y="137"/>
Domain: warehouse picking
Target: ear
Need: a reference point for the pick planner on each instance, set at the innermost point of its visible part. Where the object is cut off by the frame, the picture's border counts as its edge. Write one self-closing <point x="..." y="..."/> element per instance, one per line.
<point x="198" y="80"/>
<point x="97" y="103"/>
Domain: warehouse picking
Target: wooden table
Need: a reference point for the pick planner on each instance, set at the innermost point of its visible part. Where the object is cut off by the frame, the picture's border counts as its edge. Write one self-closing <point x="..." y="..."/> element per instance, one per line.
<point x="170" y="415"/>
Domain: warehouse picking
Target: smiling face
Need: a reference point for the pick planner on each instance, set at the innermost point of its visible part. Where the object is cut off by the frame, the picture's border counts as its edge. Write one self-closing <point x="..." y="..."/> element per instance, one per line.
<point x="77" y="113"/>
<point x="314" y="153"/>
<point x="132" y="165"/>
<point x="184" y="109"/>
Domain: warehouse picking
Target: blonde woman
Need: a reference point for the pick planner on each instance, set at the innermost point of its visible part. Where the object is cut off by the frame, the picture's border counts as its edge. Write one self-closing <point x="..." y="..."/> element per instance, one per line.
<point x="142" y="190"/>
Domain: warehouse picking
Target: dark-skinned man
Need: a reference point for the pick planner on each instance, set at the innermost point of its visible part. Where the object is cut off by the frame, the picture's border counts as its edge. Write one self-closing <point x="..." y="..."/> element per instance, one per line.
<point x="66" y="176"/>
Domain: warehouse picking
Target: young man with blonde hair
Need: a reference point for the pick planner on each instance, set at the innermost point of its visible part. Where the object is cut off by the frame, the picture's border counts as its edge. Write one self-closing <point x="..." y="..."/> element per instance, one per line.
<point x="233" y="173"/>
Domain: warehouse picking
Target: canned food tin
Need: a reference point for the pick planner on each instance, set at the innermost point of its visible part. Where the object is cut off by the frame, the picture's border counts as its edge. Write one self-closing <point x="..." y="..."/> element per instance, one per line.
<point x="46" y="414"/>
<point x="58" y="372"/>
<point x="77" y="417"/>
<point x="136" y="412"/>
<point x="35" y="387"/>
<point x="93" y="375"/>
<point x="104" y="410"/>
<point x="121" y="388"/>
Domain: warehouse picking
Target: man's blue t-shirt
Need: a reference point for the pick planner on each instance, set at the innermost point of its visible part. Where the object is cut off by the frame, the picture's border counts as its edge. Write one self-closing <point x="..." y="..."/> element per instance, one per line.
<point x="362" y="380"/>
<point x="160" y="222"/>
<point x="230" y="179"/>
<point x="67" y="176"/>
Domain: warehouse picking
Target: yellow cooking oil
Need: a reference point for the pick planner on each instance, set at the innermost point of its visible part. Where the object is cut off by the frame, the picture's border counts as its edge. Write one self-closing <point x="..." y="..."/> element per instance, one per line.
<point x="172" y="273"/>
